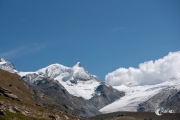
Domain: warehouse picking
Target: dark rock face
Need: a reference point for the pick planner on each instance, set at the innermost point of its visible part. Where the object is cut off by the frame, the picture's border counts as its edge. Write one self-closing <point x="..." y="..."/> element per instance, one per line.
<point x="105" y="95"/>
<point x="2" y="112"/>
<point x="172" y="102"/>
<point x="168" y="99"/>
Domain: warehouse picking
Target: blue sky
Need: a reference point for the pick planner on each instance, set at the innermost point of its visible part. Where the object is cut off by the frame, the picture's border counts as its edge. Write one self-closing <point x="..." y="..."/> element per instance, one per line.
<point x="103" y="35"/>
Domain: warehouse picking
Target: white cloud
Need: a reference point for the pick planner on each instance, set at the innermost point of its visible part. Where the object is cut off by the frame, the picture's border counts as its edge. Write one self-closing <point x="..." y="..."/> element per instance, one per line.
<point x="150" y="72"/>
<point x="19" y="51"/>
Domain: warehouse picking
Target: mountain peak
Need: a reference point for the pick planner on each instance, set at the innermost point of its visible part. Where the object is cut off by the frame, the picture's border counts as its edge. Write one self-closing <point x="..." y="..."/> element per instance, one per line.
<point x="78" y="64"/>
<point x="2" y="60"/>
<point x="5" y="65"/>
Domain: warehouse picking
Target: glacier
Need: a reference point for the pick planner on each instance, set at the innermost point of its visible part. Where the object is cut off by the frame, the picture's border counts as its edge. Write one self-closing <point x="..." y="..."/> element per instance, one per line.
<point x="135" y="95"/>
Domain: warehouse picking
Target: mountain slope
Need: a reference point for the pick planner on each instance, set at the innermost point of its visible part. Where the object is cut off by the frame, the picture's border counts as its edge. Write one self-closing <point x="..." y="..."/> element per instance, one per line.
<point x="17" y="86"/>
<point x="169" y="99"/>
<point x="19" y="101"/>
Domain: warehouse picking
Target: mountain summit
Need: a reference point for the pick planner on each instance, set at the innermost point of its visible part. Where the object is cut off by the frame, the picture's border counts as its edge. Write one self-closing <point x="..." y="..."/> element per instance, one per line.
<point x="5" y="65"/>
<point x="78" y="64"/>
<point x="2" y="60"/>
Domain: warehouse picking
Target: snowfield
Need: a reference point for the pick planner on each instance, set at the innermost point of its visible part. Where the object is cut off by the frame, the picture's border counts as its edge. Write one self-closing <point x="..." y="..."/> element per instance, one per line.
<point x="85" y="89"/>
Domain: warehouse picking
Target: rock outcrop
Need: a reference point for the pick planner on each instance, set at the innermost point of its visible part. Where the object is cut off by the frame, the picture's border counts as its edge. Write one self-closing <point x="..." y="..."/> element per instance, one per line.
<point x="8" y="93"/>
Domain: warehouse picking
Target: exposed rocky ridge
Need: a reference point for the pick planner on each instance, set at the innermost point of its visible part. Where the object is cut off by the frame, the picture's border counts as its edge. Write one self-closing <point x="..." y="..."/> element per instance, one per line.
<point x="8" y="93"/>
<point x="169" y="99"/>
<point x="105" y="95"/>
<point x="172" y="103"/>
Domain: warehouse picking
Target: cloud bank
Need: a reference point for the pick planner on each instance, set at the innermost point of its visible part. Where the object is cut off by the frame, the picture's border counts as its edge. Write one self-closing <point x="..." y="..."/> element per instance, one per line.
<point x="150" y="72"/>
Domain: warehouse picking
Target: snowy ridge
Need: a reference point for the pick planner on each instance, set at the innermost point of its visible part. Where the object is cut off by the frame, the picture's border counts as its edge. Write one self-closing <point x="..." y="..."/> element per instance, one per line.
<point x="5" y="65"/>
<point x="138" y="94"/>
<point x="25" y="73"/>
<point x="55" y="70"/>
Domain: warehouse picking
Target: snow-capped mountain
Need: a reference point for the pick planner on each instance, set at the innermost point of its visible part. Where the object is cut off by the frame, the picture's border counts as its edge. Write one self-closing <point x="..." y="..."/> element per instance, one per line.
<point x="75" y="87"/>
<point x="136" y="95"/>
<point x="5" y="65"/>
<point x="76" y="79"/>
